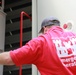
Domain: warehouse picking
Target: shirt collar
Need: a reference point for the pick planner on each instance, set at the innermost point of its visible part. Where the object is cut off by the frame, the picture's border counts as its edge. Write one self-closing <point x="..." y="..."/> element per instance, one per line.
<point x="55" y="28"/>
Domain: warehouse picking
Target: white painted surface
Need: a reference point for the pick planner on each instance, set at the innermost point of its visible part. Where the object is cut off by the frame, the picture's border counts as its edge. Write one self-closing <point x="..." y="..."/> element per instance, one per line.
<point x="2" y="35"/>
<point x="34" y="29"/>
<point x="64" y="10"/>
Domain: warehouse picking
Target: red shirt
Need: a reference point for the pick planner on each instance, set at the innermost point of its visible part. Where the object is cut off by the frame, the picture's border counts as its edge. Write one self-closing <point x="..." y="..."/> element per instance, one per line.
<point x="54" y="53"/>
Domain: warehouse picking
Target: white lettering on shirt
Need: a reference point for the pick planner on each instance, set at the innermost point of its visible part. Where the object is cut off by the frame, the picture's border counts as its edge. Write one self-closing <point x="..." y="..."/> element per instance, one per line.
<point x="66" y="50"/>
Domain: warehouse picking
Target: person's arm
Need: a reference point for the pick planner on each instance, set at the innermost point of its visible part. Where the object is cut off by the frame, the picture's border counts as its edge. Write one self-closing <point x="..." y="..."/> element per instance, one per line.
<point x="5" y="59"/>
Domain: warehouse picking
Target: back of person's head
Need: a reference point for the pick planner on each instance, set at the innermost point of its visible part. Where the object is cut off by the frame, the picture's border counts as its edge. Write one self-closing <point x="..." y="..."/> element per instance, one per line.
<point x="49" y="21"/>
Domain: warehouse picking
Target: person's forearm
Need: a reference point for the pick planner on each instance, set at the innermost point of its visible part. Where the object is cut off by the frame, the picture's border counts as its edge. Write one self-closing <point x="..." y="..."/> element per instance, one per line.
<point x="5" y="59"/>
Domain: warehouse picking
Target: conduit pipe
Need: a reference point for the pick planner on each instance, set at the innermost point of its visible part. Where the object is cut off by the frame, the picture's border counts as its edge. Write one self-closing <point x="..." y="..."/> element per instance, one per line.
<point x="21" y="32"/>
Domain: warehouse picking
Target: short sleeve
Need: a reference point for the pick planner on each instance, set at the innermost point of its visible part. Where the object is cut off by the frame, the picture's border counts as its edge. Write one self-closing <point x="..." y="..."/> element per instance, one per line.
<point x="30" y="53"/>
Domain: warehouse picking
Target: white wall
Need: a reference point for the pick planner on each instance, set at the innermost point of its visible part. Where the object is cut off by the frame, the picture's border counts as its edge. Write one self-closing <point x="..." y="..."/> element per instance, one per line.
<point x="34" y="29"/>
<point x="64" y="10"/>
<point x="2" y="35"/>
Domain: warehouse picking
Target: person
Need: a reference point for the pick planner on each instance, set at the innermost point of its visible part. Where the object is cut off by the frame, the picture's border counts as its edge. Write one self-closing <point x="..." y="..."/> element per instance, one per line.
<point x="53" y="52"/>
